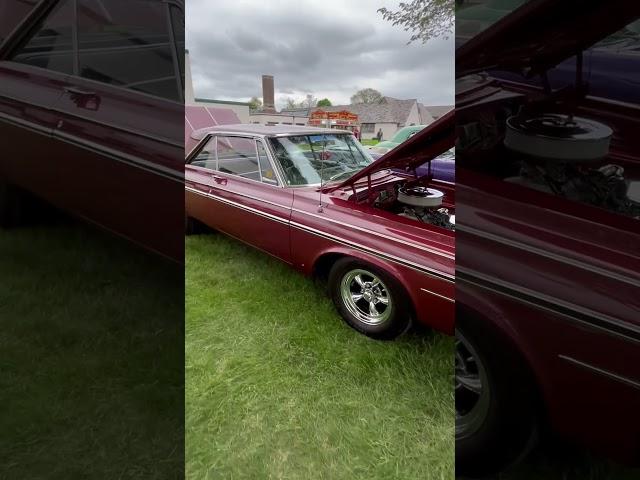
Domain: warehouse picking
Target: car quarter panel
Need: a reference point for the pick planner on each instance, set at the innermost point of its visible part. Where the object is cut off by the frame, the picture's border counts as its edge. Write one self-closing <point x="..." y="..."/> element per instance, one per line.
<point x="527" y="280"/>
<point x="423" y="262"/>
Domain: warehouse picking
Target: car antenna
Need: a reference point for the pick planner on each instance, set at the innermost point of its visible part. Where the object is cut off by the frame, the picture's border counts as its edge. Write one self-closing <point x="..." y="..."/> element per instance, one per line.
<point x="322" y="155"/>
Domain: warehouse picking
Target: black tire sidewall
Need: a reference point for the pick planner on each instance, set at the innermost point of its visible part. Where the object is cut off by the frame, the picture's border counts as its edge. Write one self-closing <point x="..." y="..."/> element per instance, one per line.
<point x="401" y="316"/>
<point x="511" y="424"/>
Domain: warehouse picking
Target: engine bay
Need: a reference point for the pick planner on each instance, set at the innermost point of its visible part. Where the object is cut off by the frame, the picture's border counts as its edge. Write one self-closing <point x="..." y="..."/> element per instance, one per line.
<point x="546" y="143"/>
<point x="422" y="200"/>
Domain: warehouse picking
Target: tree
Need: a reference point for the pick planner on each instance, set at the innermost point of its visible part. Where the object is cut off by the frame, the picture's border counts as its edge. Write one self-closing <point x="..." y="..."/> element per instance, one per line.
<point x="367" y="95"/>
<point x="309" y="102"/>
<point x="425" y="19"/>
<point x="325" y="102"/>
<point x="290" y="103"/>
<point x="255" y="103"/>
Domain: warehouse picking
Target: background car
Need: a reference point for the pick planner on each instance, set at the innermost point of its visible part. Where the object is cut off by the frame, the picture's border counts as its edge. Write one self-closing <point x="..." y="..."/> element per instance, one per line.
<point x="400" y="136"/>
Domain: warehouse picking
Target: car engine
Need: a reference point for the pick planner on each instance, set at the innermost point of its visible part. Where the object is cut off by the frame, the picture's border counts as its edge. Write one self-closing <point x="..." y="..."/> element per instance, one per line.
<point x="549" y="150"/>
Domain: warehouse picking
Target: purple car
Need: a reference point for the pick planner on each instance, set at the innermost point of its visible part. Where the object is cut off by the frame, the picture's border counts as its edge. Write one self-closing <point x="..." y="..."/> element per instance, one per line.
<point x="443" y="167"/>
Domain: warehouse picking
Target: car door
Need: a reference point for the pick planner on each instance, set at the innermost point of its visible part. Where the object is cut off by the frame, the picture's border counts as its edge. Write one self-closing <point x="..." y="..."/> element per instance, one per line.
<point x="29" y="94"/>
<point x="119" y="117"/>
<point x="246" y="200"/>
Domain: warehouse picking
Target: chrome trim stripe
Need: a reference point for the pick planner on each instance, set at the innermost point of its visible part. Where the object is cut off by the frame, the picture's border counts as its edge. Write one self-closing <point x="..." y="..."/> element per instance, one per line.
<point x="97" y="148"/>
<point x="579" y="315"/>
<point x="121" y="157"/>
<point x="407" y="263"/>
<point x="605" y="373"/>
<point x="438" y="295"/>
<point x="19" y="122"/>
<point x="238" y="205"/>
<point x="385" y="256"/>
<point x="377" y="234"/>
<point x="342" y="224"/>
<point x="550" y="255"/>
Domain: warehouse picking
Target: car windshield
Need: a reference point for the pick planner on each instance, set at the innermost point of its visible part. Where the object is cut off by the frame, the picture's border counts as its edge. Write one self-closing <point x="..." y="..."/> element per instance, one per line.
<point x="318" y="159"/>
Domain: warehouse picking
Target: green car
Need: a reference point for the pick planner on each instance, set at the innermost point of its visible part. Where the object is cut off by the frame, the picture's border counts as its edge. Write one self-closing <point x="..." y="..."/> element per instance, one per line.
<point x="401" y="135"/>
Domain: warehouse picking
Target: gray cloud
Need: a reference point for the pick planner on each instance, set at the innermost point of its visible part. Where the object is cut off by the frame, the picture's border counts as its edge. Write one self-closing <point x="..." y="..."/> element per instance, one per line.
<point x="329" y="48"/>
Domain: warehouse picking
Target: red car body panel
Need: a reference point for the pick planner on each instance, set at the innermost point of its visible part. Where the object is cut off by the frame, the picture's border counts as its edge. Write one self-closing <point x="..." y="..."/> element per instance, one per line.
<point x="288" y="224"/>
<point x="558" y="280"/>
<point x="110" y="157"/>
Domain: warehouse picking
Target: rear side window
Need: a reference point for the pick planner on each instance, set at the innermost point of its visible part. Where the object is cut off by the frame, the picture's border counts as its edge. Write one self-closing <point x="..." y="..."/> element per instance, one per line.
<point x="237" y="156"/>
<point x="126" y="43"/>
<point x="12" y="12"/>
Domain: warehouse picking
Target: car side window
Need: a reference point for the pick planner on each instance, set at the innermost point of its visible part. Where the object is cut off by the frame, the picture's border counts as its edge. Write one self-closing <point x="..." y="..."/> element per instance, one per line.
<point x="237" y="156"/>
<point x="128" y="43"/>
<point x="267" y="173"/>
<point x="131" y="44"/>
<point x="51" y="46"/>
<point x="206" y="158"/>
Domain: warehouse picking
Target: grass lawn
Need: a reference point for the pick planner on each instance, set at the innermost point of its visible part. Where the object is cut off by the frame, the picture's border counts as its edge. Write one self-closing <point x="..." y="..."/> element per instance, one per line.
<point x="277" y="387"/>
<point x="554" y="461"/>
<point x="92" y="357"/>
<point x="369" y="141"/>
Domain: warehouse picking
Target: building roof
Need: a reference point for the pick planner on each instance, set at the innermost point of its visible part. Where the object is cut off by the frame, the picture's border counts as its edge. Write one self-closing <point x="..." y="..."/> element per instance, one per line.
<point x="269" y="130"/>
<point x="390" y="110"/>
<point x="438" y="111"/>
<point x="426" y="117"/>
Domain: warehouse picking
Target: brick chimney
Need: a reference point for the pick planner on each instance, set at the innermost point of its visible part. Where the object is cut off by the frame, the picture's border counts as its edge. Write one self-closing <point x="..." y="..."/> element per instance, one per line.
<point x="268" y="94"/>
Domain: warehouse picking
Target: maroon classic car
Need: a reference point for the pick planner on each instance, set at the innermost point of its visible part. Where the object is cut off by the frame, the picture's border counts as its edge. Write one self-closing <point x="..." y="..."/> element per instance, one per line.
<point x="315" y="199"/>
<point x="548" y="270"/>
<point x="91" y="112"/>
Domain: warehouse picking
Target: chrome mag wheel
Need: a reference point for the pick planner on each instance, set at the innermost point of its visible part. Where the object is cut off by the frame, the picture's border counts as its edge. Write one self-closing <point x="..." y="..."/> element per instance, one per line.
<point x="471" y="388"/>
<point x="366" y="297"/>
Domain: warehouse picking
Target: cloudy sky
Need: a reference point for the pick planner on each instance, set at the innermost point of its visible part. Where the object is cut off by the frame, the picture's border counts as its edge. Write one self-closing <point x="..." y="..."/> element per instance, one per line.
<point x="328" y="48"/>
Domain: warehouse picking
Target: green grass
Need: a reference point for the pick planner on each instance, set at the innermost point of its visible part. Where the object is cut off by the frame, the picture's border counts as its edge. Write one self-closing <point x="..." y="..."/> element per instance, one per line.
<point x="557" y="461"/>
<point x="369" y="141"/>
<point x="92" y="353"/>
<point x="278" y="387"/>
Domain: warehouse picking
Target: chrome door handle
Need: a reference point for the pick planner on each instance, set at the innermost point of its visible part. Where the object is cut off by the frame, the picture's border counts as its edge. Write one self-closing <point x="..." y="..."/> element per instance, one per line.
<point x="80" y="92"/>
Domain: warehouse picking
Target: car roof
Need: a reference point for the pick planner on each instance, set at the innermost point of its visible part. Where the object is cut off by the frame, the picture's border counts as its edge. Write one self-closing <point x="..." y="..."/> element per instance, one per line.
<point x="263" y="130"/>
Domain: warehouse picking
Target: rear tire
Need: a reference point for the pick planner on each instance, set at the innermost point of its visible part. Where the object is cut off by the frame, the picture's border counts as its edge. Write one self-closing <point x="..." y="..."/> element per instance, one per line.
<point x="497" y="411"/>
<point x="369" y="299"/>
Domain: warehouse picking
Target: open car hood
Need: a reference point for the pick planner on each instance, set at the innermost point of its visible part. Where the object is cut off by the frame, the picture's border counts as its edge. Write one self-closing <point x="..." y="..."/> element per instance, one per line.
<point x="424" y="146"/>
<point x="542" y="33"/>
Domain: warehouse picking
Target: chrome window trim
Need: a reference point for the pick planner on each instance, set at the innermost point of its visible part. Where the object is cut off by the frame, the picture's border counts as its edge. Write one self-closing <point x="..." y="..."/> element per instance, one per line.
<point x="202" y="143"/>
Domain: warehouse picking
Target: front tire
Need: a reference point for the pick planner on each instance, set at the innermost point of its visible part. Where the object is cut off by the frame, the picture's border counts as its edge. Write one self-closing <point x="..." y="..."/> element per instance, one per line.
<point x="369" y="299"/>
<point x="497" y="414"/>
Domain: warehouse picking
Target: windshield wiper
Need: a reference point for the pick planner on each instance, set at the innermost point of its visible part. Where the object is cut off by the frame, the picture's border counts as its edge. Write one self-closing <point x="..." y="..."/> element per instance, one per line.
<point x="338" y="175"/>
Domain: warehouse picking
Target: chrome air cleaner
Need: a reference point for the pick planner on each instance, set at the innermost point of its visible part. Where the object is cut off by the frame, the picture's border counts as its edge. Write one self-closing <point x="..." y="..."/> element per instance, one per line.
<point x="556" y="136"/>
<point x="423" y="197"/>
